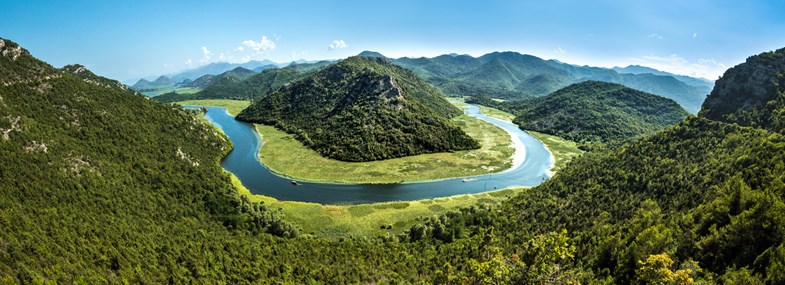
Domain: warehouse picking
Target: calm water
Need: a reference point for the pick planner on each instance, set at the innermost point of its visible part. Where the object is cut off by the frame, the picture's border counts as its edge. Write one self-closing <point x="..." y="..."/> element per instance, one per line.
<point x="244" y="163"/>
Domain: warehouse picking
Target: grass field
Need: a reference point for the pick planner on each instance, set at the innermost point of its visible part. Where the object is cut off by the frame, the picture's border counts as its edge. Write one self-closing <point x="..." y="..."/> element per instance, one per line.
<point x="232" y="106"/>
<point x="563" y="150"/>
<point x="181" y="90"/>
<point x="282" y="153"/>
<point x="496" y="113"/>
<point x="335" y="221"/>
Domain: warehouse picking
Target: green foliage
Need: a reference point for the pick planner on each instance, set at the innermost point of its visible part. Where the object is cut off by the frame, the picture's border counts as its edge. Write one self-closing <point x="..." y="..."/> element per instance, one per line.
<point x="594" y="111"/>
<point x="363" y="109"/>
<point x="751" y="93"/>
<point x="104" y="186"/>
<point x="702" y="190"/>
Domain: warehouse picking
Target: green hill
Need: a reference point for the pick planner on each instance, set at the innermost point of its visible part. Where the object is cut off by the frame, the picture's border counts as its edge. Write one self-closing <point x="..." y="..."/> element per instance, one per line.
<point x="595" y="111"/>
<point x="751" y="93"/>
<point x="702" y="202"/>
<point x="514" y="76"/>
<point x="361" y="109"/>
<point x="90" y="77"/>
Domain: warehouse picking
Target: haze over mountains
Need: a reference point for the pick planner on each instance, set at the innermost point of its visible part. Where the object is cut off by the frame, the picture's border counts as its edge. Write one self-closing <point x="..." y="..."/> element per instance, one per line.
<point x="515" y="76"/>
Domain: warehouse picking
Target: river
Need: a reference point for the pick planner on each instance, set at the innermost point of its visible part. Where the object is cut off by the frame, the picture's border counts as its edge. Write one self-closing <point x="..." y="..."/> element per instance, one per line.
<point x="530" y="168"/>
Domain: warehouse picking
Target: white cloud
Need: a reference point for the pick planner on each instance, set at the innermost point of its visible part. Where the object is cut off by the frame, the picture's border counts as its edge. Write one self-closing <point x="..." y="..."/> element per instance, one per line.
<point x="655" y="36"/>
<point x="276" y="37"/>
<point x="591" y="35"/>
<point x="264" y="44"/>
<point x="559" y="50"/>
<point x="336" y="44"/>
<point x="240" y="48"/>
<point x="223" y="56"/>
<point x="189" y="62"/>
<point x="206" y="55"/>
<point x="702" y="67"/>
<point x="694" y="35"/>
<point x="167" y="65"/>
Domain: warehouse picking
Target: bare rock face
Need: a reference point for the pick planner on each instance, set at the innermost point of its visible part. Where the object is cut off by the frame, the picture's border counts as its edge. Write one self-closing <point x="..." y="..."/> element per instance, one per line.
<point x="10" y="51"/>
<point x="750" y="93"/>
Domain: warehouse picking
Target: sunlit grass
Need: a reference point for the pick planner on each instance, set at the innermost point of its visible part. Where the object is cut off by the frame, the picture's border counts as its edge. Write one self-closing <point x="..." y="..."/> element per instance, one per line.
<point x="232" y="106"/>
<point x="282" y="153"/>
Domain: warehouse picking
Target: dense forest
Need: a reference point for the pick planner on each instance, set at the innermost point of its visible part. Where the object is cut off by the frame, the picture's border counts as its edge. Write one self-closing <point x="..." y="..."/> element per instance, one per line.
<point x="594" y="111"/>
<point x="101" y="185"/>
<point x="363" y="109"/>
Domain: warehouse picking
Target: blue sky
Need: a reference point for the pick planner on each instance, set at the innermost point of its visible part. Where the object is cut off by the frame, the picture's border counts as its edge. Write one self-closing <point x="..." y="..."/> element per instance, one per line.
<point x="131" y="39"/>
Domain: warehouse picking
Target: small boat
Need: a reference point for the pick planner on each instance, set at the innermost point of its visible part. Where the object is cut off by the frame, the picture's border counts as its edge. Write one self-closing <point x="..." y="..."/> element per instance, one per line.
<point x="295" y="183"/>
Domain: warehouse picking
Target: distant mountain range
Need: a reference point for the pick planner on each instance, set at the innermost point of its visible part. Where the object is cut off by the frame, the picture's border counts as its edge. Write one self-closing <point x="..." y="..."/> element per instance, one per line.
<point x="515" y="76"/>
<point x="244" y="88"/>
<point x="501" y="75"/>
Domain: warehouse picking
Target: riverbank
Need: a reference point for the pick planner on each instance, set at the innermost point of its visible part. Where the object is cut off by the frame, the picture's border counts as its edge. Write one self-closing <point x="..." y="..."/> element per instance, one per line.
<point x="366" y="220"/>
<point x="232" y="106"/>
<point x="562" y="150"/>
<point x="285" y="155"/>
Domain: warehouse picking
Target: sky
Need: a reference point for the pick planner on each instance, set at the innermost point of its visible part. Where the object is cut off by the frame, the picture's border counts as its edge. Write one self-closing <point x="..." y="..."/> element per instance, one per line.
<point x="127" y="40"/>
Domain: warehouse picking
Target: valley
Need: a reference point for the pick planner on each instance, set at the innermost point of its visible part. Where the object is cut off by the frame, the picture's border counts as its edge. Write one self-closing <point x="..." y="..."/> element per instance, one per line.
<point x="415" y="142"/>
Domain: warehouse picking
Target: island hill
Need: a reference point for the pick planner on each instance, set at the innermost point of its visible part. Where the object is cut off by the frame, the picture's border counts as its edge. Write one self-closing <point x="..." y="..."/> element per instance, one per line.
<point x="596" y="111"/>
<point x="363" y="109"/>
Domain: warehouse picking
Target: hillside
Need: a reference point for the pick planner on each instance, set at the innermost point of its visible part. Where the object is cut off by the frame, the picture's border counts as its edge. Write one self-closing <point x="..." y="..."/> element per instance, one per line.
<point x="514" y="76"/>
<point x="702" y="202"/>
<point x="751" y="93"/>
<point x="363" y="109"/>
<point x="595" y="111"/>
<point x="108" y="170"/>
<point x="90" y="77"/>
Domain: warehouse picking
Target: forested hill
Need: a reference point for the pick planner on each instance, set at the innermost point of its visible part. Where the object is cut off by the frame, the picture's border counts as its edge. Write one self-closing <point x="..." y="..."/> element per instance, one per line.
<point x="751" y="93"/>
<point x="363" y="109"/>
<point x="97" y="181"/>
<point x="701" y="202"/>
<point x="594" y="111"/>
<point x="90" y="77"/>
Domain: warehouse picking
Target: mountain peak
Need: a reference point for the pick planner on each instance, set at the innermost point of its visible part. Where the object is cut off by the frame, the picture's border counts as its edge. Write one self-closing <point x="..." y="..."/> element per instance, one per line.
<point x="11" y="50"/>
<point x="750" y="93"/>
<point x="371" y="54"/>
<point x="19" y="66"/>
<point x="363" y="109"/>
